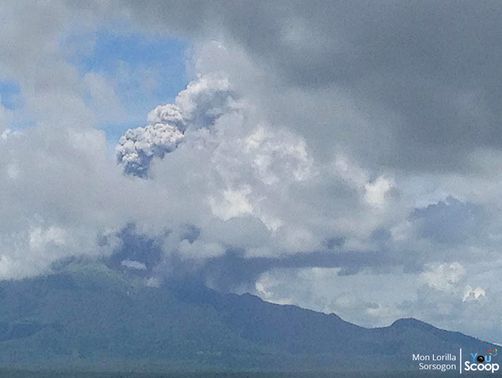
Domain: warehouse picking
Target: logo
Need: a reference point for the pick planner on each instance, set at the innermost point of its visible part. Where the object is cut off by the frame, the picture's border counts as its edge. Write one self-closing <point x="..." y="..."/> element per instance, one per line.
<point x="492" y="352"/>
<point x="482" y="362"/>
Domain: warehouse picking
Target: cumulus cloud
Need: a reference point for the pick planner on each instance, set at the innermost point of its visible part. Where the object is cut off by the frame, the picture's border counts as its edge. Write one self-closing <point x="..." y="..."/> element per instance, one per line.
<point x="449" y="221"/>
<point x="377" y="191"/>
<point x="473" y="294"/>
<point x="135" y="265"/>
<point x="204" y="100"/>
<point x="418" y="87"/>
<point x="55" y="195"/>
<point x="318" y="157"/>
<point x="444" y="276"/>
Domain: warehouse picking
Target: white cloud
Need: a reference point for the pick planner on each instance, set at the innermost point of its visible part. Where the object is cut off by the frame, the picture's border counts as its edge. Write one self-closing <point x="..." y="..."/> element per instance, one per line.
<point x="377" y="190"/>
<point x="473" y="294"/>
<point x="233" y="203"/>
<point x="267" y="153"/>
<point x="131" y="264"/>
<point x="104" y="99"/>
<point x="40" y="239"/>
<point x="206" y="99"/>
<point x="58" y="198"/>
<point x="444" y="277"/>
<point x="51" y="87"/>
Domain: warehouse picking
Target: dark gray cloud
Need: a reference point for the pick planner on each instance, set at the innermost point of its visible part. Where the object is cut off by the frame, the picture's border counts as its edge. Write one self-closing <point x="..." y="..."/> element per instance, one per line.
<point x="234" y="271"/>
<point x="429" y="68"/>
<point x="357" y="124"/>
<point x="450" y="221"/>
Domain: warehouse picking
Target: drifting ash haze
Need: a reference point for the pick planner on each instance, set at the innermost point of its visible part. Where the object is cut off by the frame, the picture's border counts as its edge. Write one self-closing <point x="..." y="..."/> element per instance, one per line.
<point x="322" y="153"/>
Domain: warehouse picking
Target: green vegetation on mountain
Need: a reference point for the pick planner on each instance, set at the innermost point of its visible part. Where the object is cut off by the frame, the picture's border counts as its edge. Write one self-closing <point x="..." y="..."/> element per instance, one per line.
<point x="92" y="316"/>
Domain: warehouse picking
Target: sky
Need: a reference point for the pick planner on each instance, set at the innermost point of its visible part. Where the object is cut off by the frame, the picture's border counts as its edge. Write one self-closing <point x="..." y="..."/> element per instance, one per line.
<point x="338" y="155"/>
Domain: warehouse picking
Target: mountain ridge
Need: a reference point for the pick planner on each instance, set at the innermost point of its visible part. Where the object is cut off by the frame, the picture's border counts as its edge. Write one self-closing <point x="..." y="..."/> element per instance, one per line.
<point x="99" y="317"/>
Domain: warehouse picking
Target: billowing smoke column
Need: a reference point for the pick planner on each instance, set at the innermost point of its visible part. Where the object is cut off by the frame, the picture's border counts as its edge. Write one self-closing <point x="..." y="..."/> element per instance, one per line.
<point x="198" y="106"/>
<point x="137" y="147"/>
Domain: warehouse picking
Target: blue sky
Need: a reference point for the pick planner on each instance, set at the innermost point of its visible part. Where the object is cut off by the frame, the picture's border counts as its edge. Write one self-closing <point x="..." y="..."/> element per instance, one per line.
<point x="9" y="94"/>
<point x="339" y="123"/>
<point x="146" y="72"/>
<point x="143" y="70"/>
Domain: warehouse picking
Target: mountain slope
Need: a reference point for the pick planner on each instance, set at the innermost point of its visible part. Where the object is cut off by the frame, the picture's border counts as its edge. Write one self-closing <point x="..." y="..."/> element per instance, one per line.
<point x="102" y="318"/>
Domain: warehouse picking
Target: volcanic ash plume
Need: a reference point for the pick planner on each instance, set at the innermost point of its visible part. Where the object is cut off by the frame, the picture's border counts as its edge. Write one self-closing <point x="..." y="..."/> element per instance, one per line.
<point x="198" y="106"/>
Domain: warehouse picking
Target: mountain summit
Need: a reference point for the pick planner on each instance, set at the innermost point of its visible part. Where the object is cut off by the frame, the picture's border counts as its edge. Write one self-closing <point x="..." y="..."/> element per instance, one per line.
<point x="96" y="317"/>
